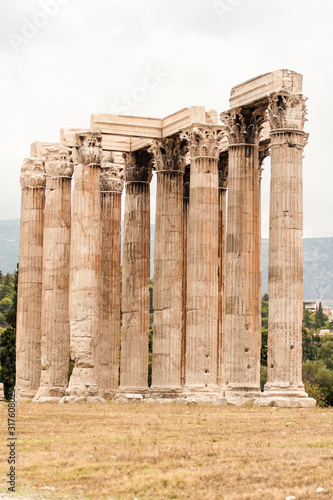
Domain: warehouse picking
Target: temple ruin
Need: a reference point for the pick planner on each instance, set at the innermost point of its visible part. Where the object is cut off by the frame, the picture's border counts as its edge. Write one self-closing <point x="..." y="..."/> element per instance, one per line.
<point x="207" y="258"/>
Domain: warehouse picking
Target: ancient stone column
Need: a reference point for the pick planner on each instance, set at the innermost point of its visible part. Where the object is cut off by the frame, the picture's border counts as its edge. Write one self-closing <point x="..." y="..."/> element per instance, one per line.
<point x="56" y="265"/>
<point x="109" y="339"/>
<point x="29" y="298"/>
<point x="136" y="275"/>
<point x="285" y="282"/>
<point x="223" y="185"/>
<point x="242" y="343"/>
<point x="202" y="265"/>
<point x="85" y="275"/>
<point x="169" y="162"/>
<point x="186" y="200"/>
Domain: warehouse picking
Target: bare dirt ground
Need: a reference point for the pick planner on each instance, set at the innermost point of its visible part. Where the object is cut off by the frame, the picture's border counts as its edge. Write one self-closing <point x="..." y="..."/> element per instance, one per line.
<point x="161" y="451"/>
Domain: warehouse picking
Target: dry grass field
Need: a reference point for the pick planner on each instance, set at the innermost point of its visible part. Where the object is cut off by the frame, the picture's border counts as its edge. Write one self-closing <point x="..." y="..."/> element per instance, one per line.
<point x="156" y="451"/>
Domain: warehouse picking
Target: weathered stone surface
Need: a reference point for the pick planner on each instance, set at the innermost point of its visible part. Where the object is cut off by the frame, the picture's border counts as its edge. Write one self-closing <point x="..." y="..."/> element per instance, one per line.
<point x="29" y="298"/>
<point x="169" y="162"/>
<point x="259" y="88"/>
<point x="223" y="184"/>
<point x="286" y="402"/>
<point x="202" y="263"/>
<point x="136" y="271"/>
<point x="56" y="265"/>
<point x="85" y="272"/>
<point x="285" y="285"/>
<point x="109" y="337"/>
<point x="207" y="290"/>
<point x="242" y="340"/>
<point x="186" y="199"/>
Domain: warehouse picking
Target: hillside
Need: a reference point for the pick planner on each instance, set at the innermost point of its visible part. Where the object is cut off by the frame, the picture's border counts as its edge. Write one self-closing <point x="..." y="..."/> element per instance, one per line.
<point x="318" y="260"/>
<point x="9" y="245"/>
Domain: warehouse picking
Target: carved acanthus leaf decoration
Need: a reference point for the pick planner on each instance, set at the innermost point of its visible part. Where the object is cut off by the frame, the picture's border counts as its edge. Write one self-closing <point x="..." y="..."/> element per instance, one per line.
<point x="112" y="177"/>
<point x="138" y="167"/>
<point x="287" y="111"/>
<point x="169" y="154"/>
<point x="244" y="125"/>
<point x="204" y="140"/>
<point x="263" y="153"/>
<point x="59" y="162"/>
<point x="32" y="173"/>
<point x="89" y="148"/>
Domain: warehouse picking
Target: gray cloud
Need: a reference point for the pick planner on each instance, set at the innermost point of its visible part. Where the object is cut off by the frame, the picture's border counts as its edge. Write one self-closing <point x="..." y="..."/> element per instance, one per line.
<point x="90" y="53"/>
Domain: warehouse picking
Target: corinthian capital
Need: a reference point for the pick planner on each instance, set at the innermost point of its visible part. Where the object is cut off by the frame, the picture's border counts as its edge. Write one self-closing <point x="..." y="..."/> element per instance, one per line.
<point x="204" y="140"/>
<point x="244" y="125"/>
<point x="138" y="167"/>
<point x="32" y="173"/>
<point x="112" y="178"/>
<point x="59" y="162"/>
<point x="89" y="148"/>
<point x="287" y="111"/>
<point x="169" y="154"/>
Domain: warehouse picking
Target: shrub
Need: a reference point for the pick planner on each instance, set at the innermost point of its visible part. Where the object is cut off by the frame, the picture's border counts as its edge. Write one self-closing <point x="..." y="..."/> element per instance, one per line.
<point x="263" y="376"/>
<point x="316" y="392"/>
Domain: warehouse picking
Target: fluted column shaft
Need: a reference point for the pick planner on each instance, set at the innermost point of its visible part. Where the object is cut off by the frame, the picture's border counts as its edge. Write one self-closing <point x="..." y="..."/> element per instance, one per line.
<point x="242" y="339"/>
<point x="243" y="276"/>
<point x="202" y="277"/>
<point x="285" y="284"/>
<point x="168" y="269"/>
<point x="202" y="263"/>
<point x="111" y="190"/>
<point x="56" y="265"/>
<point x="186" y="200"/>
<point x="286" y="113"/>
<point x="85" y="268"/>
<point x="29" y="299"/>
<point x="136" y="278"/>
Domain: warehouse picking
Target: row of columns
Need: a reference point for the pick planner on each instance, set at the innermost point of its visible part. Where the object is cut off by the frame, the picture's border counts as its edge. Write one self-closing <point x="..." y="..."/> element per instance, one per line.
<point x="207" y="283"/>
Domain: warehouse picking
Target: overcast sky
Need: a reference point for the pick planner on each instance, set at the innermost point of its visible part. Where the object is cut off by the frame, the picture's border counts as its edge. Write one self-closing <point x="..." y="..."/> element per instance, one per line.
<point x="63" y="60"/>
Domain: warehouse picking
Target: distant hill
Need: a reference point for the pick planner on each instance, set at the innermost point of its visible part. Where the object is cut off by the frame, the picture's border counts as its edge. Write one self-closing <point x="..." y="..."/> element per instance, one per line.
<point x="318" y="260"/>
<point x="318" y="268"/>
<point x="9" y="244"/>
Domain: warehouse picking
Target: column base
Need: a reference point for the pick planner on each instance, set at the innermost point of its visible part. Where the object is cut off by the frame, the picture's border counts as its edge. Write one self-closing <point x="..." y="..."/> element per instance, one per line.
<point x="286" y="402"/>
<point x="46" y="399"/>
<point x="164" y="393"/>
<point x="238" y="395"/>
<point x="82" y="387"/>
<point x="131" y="394"/>
<point x="108" y="395"/>
<point x="286" y="396"/>
<point x="49" y="394"/>
<point x="196" y="394"/>
<point x="25" y="394"/>
<point x="82" y="399"/>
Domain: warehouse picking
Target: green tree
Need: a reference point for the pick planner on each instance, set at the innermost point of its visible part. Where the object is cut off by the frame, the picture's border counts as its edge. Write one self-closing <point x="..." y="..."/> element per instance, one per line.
<point x="325" y="353"/>
<point x="324" y="378"/>
<point x="321" y="318"/>
<point x="309" y="320"/>
<point x="5" y="305"/>
<point x="7" y="346"/>
<point x="316" y="392"/>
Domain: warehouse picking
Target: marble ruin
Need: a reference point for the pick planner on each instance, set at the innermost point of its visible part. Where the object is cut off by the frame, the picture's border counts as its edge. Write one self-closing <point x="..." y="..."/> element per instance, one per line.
<point x="207" y="257"/>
